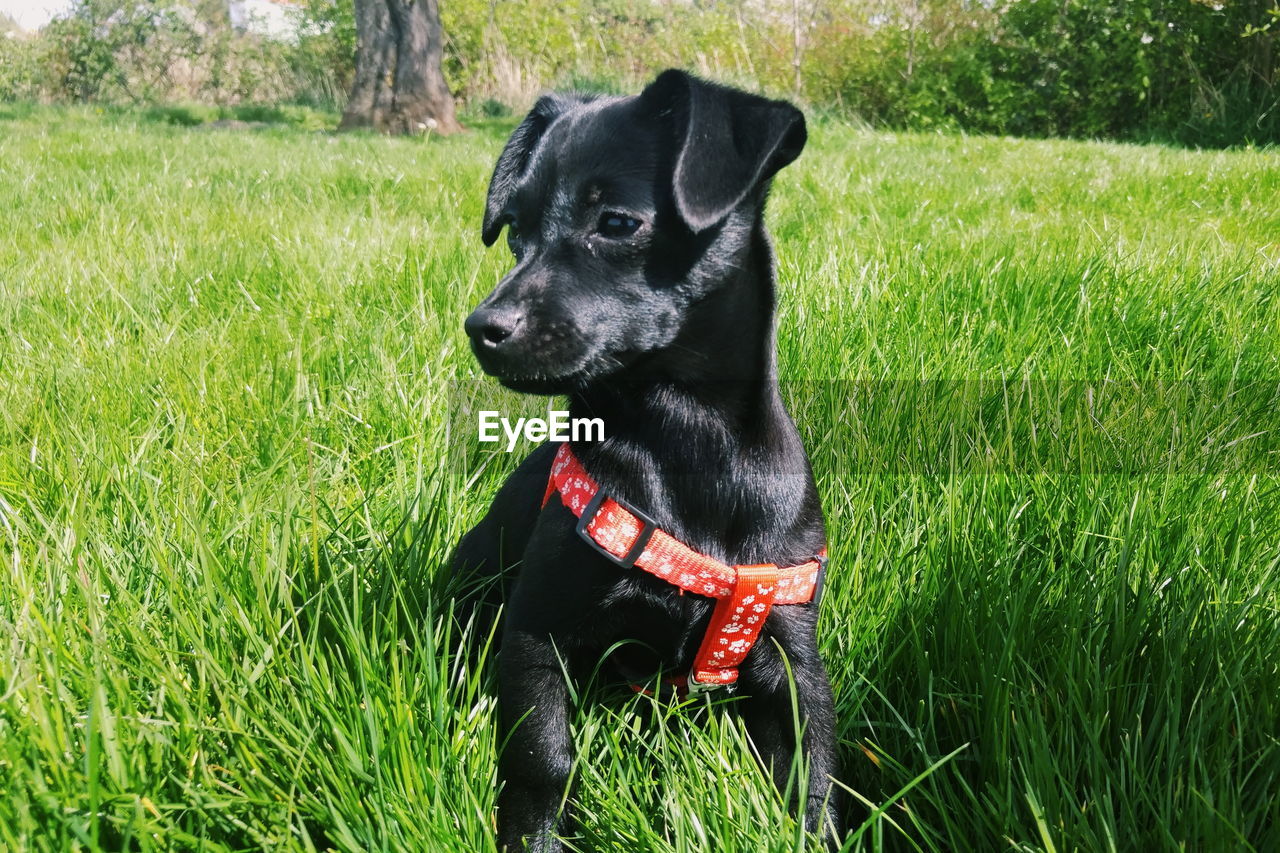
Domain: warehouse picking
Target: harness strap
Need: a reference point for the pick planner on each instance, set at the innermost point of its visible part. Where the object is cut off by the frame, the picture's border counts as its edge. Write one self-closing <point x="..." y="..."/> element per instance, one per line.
<point x="744" y="594"/>
<point x="735" y="625"/>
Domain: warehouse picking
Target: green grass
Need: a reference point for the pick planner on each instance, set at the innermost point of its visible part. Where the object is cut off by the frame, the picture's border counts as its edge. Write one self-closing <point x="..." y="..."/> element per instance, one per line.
<point x="1038" y="381"/>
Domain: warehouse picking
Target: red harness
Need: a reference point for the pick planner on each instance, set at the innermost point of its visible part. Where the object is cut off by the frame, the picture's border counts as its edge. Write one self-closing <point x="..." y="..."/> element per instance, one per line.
<point x="744" y="594"/>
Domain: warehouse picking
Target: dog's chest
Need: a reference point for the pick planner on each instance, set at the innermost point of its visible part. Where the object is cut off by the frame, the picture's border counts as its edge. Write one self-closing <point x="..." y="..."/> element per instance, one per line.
<point x="643" y="610"/>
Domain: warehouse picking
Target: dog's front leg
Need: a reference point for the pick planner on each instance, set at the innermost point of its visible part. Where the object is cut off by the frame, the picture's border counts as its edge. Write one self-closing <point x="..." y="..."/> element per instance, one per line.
<point x="537" y="757"/>
<point x="771" y="720"/>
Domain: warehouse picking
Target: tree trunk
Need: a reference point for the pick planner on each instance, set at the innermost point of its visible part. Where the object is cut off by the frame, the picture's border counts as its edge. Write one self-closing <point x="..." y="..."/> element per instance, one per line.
<point x="399" y="82"/>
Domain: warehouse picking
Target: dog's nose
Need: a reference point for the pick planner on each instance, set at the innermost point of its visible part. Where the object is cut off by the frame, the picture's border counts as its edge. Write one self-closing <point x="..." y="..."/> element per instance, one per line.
<point x="489" y="327"/>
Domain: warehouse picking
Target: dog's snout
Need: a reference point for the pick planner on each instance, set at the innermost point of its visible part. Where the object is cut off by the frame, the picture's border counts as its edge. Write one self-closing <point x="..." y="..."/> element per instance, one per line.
<point x="490" y="327"/>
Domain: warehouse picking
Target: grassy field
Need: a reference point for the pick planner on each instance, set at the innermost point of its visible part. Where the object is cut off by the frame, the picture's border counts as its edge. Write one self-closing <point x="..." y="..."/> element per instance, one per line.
<point x="1040" y="382"/>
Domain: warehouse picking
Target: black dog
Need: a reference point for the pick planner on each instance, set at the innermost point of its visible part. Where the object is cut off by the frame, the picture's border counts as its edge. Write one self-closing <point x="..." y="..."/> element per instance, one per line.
<point x="643" y="288"/>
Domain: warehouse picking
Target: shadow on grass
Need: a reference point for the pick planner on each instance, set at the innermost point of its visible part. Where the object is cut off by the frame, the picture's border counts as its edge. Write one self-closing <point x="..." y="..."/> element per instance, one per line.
<point x="1103" y="664"/>
<point x="240" y="116"/>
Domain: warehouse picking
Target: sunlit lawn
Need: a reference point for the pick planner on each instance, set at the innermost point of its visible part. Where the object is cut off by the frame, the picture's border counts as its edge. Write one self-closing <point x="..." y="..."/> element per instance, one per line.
<point x="1039" y="382"/>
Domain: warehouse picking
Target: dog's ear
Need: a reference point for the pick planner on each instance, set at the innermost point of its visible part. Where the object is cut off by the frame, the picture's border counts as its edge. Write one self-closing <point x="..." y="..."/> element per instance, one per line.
<point x="728" y="142"/>
<point x="514" y="158"/>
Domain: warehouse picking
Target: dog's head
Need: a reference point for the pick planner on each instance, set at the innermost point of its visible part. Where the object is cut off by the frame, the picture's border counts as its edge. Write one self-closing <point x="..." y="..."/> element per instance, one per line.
<point x="621" y="213"/>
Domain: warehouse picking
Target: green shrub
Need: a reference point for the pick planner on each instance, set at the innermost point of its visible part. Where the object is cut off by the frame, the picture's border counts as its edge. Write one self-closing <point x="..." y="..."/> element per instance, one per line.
<point x="1195" y="72"/>
<point x="1200" y="72"/>
<point x="22" y="65"/>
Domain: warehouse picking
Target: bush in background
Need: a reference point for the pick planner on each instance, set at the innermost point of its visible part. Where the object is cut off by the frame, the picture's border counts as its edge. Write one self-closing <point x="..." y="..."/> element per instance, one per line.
<point x="1187" y="70"/>
<point x="22" y="66"/>
<point x="1200" y="72"/>
<point x="166" y="51"/>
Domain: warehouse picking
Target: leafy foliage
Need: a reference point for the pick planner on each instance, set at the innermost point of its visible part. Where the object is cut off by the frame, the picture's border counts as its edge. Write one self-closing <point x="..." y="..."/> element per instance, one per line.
<point x="1193" y="72"/>
<point x="153" y="51"/>
<point x="1199" y="72"/>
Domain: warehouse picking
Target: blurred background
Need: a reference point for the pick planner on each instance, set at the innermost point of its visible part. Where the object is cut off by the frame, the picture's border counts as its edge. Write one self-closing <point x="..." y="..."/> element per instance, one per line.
<point x="1192" y="72"/>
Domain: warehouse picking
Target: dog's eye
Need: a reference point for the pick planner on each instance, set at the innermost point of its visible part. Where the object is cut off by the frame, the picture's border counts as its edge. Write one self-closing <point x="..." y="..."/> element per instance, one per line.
<point x="616" y="225"/>
<point x="513" y="239"/>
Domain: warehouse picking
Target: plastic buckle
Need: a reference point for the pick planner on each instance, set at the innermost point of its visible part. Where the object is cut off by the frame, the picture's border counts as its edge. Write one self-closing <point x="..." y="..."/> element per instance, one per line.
<point x="647" y="529"/>
<point x="694" y="687"/>
<point x="821" y="583"/>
